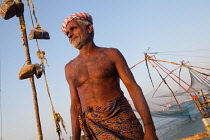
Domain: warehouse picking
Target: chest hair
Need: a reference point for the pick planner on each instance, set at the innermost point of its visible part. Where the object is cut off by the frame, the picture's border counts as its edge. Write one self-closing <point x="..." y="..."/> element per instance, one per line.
<point x="95" y="67"/>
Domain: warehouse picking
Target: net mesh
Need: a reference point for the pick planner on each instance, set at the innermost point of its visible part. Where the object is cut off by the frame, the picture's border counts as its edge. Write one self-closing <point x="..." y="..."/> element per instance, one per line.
<point x="163" y="104"/>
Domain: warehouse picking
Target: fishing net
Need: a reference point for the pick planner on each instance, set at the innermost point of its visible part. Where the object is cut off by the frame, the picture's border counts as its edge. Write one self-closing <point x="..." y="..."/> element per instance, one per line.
<point x="163" y="103"/>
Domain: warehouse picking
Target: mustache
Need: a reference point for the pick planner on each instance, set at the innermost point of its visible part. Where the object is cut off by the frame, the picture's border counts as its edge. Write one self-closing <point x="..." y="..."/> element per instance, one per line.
<point x="72" y="37"/>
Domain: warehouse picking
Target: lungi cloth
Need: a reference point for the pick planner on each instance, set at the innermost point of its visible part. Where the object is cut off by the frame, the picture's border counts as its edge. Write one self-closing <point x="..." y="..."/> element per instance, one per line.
<point x="114" y="120"/>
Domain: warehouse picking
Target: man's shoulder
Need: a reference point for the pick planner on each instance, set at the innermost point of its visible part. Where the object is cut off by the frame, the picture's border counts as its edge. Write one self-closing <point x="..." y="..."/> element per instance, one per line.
<point x="68" y="65"/>
<point x="109" y="50"/>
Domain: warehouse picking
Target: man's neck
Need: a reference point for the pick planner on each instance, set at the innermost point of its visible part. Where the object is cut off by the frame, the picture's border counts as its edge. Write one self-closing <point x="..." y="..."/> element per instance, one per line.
<point x="88" y="49"/>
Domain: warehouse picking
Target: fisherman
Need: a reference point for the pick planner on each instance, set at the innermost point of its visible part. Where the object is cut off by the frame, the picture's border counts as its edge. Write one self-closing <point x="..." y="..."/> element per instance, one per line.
<point x="98" y="105"/>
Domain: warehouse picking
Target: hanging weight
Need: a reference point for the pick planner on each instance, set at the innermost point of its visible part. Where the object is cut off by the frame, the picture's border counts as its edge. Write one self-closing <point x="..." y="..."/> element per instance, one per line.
<point x="8" y="9"/>
<point x="38" y="34"/>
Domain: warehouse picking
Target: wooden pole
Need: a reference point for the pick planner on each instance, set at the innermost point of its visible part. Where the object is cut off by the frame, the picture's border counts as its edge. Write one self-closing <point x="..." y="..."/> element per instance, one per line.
<point x="28" y="61"/>
<point x="177" y="102"/>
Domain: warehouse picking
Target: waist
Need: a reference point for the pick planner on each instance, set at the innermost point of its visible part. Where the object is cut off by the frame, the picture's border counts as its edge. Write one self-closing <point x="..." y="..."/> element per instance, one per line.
<point x="106" y="105"/>
<point x="96" y="99"/>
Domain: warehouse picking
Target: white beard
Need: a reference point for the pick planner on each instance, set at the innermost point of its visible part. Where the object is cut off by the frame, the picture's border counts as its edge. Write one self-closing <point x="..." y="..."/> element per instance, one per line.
<point x="78" y="44"/>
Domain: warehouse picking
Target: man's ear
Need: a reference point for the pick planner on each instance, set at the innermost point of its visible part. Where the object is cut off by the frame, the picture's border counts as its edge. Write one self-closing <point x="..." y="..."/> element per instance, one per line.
<point x="90" y="28"/>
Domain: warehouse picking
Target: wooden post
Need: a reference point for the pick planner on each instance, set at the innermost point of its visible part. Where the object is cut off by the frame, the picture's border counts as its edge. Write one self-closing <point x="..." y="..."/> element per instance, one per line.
<point x="28" y="61"/>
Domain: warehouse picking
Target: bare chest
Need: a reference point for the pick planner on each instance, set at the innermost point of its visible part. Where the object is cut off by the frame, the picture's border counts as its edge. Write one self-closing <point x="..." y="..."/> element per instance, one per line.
<point x="98" y="67"/>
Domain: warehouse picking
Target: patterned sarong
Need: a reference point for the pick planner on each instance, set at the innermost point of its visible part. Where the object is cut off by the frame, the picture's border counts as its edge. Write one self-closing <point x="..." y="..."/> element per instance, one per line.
<point x="115" y="120"/>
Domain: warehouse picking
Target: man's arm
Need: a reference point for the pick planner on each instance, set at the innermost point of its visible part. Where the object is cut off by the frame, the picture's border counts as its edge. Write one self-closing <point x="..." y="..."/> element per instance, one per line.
<point x="136" y="94"/>
<point x="75" y="109"/>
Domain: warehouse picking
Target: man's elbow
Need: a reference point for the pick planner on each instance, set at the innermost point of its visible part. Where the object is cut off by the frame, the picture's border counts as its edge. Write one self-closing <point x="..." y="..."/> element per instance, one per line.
<point x="134" y="91"/>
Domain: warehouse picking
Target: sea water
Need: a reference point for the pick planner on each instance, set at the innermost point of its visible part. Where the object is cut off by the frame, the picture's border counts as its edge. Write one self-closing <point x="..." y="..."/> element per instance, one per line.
<point x="171" y="128"/>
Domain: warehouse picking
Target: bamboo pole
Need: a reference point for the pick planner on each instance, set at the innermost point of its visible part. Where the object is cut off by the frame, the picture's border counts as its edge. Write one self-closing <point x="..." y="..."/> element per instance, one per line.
<point x="187" y="66"/>
<point x="165" y="78"/>
<point x="137" y="64"/>
<point x="177" y="102"/>
<point x="146" y="58"/>
<point x="28" y="61"/>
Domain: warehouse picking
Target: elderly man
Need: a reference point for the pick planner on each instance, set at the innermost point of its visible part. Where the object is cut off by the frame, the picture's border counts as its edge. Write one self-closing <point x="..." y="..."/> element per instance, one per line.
<point x="98" y="105"/>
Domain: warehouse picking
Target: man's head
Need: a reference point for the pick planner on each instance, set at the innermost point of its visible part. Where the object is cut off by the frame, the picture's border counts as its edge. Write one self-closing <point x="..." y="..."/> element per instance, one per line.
<point x="83" y="18"/>
<point x="78" y="27"/>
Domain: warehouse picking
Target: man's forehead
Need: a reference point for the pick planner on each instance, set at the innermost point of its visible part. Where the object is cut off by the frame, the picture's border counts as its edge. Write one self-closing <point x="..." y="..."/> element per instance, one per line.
<point x="72" y="23"/>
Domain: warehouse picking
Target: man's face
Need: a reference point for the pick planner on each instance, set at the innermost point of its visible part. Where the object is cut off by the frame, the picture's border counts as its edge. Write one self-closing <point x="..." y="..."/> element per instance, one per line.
<point x="77" y="34"/>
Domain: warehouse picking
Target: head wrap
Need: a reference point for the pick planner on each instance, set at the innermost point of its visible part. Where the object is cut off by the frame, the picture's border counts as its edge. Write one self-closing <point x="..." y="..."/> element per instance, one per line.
<point x="81" y="15"/>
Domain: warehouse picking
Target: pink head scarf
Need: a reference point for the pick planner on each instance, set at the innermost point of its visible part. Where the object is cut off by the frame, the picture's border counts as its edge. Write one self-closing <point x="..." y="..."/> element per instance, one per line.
<point x="81" y="15"/>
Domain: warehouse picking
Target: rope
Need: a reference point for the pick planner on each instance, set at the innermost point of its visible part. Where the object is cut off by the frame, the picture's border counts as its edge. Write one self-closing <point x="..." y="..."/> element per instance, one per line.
<point x="167" y="86"/>
<point x="28" y="4"/>
<point x="206" y="82"/>
<point x="165" y="78"/>
<point x="41" y="56"/>
<point x="33" y="11"/>
<point x="57" y="116"/>
<point x="187" y="66"/>
<point x="178" y="78"/>
<point x="190" y="67"/>
<point x="29" y="7"/>
<point x="161" y="66"/>
<point x="193" y="97"/>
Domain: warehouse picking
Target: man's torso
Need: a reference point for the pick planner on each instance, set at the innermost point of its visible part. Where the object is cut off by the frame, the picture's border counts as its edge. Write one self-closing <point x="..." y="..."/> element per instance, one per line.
<point x="96" y="78"/>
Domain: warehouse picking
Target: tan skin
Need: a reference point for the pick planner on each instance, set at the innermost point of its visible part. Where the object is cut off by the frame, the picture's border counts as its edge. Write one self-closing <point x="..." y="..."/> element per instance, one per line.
<point x="93" y="78"/>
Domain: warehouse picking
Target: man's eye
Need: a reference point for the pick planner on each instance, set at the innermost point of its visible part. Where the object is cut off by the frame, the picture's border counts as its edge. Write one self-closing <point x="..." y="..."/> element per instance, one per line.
<point x="72" y="28"/>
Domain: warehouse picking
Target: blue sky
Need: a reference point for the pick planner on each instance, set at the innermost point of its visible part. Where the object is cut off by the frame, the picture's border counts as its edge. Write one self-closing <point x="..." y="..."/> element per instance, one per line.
<point x="177" y="30"/>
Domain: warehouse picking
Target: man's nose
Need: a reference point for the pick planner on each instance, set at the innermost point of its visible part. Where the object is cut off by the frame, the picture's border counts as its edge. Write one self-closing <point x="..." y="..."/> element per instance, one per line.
<point x="70" y="34"/>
